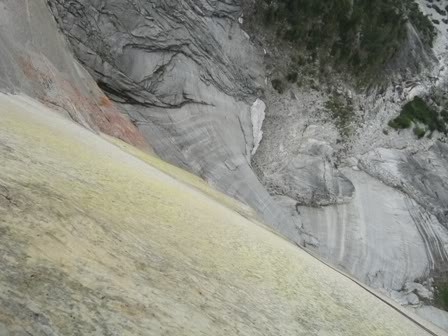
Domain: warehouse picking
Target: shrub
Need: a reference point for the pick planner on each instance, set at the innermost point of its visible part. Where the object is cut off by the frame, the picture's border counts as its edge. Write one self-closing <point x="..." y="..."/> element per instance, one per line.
<point x="444" y="115"/>
<point x="441" y="294"/>
<point x="400" y="123"/>
<point x="421" y="22"/>
<point x="278" y="85"/>
<point x="359" y="35"/>
<point x="342" y="113"/>
<point x="419" y="132"/>
<point x="269" y="16"/>
<point x="300" y="60"/>
<point x="292" y="77"/>
<point x="418" y="111"/>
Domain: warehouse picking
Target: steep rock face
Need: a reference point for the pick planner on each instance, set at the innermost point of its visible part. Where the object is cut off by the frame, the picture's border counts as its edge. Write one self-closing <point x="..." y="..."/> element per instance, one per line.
<point x="422" y="173"/>
<point x="34" y="59"/>
<point x="384" y="234"/>
<point x="396" y="206"/>
<point x="187" y="76"/>
<point x="104" y="239"/>
<point x="375" y="237"/>
<point x="296" y="158"/>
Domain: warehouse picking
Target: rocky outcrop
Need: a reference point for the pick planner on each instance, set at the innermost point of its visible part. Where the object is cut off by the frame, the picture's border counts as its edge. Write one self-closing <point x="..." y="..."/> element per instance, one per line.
<point x="35" y="59"/>
<point x="372" y="200"/>
<point x="98" y="238"/>
<point x="190" y="80"/>
<point x="422" y="175"/>
<point x="297" y="158"/>
<point x="436" y="316"/>
<point x="374" y="237"/>
<point x="187" y="76"/>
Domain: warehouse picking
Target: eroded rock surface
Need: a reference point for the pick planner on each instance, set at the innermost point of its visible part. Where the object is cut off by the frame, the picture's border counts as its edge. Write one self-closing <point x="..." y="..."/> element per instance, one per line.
<point x="187" y="76"/>
<point x="35" y="59"/>
<point x="372" y="200"/>
<point x="104" y="239"/>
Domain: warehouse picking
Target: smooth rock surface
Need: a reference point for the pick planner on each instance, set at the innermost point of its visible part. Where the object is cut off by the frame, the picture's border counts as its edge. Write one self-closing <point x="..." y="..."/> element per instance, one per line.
<point x="187" y="76"/>
<point x="307" y="159"/>
<point x="436" y="316"/>
<point x="374" y="237"/>
<point x="179" y="260"/>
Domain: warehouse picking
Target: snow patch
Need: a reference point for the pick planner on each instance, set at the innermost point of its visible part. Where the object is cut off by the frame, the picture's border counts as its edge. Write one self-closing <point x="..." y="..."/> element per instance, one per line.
<point x="257" y="115"/>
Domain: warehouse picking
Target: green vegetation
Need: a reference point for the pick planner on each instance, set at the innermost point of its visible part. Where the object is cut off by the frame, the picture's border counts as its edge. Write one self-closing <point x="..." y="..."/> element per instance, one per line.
<point x="441" y="294"/>
<point x="421" y="22"/>
<point x="278" y="85"/>
<point x="292" y="77"/>
<point x="419" y="132"/>
<point x="444" y="115"/>
<point x="342" y="113"/>
<point x="361" y="36"/>
<point x="281" y="83"/>
<point x="418" y="111"/>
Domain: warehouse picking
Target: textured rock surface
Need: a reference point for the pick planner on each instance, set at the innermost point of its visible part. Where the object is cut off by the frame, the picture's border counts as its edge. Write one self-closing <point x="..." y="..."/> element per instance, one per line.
<point x="374" y="237"/>
<point x="175" y="262"/>
<point x="386" y="225"/>
<point x="436" y="316"/>
<point x="187" y="76"/>
<point x="297" y="158"/>
<point x="35" y="59"/>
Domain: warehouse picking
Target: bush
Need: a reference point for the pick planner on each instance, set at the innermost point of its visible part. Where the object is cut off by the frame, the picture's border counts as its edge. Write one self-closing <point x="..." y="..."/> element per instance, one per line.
<point x="269" y="16"/>
<point x="419" y="132"/>
<point x="360" y="35"/>
<point x="401" y="122"/>
<point x="342" y="113"/>
<point x="418" y="111"/>
<point x="421" y="22"/>
<point x="441" y="294"/>
<point x="278" y="85"/>
<point x="444" y="115"/>
<point x="292" y="77"/>
<point x="300" y="60"/>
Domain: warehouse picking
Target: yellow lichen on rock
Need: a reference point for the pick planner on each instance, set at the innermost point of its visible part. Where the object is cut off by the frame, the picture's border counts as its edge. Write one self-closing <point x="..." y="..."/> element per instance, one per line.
<point x="185" y="177"/>
<point x="100" y="239"/>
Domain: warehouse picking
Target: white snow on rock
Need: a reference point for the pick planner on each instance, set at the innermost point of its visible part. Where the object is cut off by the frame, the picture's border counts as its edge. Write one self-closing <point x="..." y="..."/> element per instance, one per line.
<point x="257" y="114"/>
